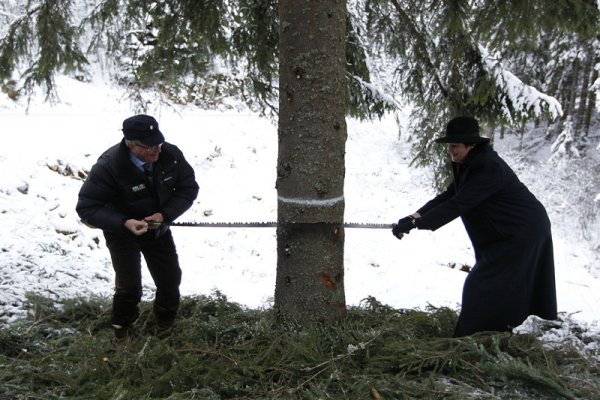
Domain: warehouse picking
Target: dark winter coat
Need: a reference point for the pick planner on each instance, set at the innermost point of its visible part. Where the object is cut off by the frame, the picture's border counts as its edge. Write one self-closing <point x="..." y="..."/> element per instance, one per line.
<point x="116" y="190"/>
<point x="513" y="274"/>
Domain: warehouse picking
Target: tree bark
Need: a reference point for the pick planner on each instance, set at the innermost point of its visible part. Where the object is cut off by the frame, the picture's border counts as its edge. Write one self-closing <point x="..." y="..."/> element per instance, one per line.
<point x="584" y="93"/>
<point x="572" y="107"/>
<point x="311" y="161"/>
<point x="590" y="105"/>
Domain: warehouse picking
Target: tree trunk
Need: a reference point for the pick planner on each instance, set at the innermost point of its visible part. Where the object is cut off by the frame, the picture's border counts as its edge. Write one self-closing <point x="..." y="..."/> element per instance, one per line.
<point x="572" y="107"/>
<point x="584" y="90"/>
<point x="312" y="134"/>
<point x="590" y="107"/>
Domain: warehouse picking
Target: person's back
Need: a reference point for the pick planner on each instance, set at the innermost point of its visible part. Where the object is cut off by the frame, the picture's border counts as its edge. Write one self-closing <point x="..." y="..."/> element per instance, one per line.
<point x="510" y="209"/>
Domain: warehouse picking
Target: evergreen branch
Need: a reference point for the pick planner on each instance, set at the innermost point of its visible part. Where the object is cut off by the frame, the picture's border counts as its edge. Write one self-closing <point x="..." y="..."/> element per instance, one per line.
<point x="421" y="46"/>
<point x="350" y="353"/>
<point x="212" y="353"/>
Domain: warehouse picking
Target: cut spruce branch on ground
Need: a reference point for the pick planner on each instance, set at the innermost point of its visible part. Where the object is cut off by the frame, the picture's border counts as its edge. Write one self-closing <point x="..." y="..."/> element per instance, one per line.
<point x="221" y="350"/>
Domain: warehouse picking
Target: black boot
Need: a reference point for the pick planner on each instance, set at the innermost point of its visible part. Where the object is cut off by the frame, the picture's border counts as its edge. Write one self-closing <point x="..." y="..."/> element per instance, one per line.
<point x="122" y="332"/>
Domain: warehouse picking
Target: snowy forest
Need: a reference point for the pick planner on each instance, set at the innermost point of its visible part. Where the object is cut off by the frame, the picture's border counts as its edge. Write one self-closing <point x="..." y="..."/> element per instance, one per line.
<point x="517" y="66"/>
<point x="528" y="71"/>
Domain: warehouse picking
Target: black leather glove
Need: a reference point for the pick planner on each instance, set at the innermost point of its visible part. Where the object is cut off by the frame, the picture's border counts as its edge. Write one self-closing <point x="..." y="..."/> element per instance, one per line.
<point x="403" y="226"/>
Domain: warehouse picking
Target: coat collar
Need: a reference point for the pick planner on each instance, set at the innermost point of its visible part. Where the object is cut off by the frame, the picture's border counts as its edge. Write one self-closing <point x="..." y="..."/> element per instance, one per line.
<point x="457" y="168"/>
<point x="472" y="155"/>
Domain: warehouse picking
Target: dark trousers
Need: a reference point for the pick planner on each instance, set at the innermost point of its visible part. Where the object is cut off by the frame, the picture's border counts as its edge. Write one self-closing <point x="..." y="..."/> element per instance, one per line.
<point x="162" y="261"/>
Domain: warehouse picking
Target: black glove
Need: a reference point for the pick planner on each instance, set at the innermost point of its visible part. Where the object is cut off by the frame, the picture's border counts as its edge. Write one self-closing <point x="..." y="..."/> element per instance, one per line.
<point x="161" y="230"/>
<point x="403" y="226"/>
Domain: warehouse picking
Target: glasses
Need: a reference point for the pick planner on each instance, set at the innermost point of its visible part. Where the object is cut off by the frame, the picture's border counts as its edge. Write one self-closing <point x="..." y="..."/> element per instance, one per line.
<point x="148" y="148"/>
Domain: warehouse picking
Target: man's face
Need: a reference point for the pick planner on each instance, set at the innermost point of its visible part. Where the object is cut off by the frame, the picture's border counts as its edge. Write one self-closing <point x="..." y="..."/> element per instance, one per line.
<point x="147" y="154"/>
<point x="458" y="151"/>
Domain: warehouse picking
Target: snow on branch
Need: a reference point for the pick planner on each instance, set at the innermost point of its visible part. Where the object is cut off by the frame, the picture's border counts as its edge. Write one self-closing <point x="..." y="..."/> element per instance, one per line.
<point x="564" y="146"/>
<point x="525" y="99"/>
<point x="596" y="85"/>
<point x="375" y="91"/>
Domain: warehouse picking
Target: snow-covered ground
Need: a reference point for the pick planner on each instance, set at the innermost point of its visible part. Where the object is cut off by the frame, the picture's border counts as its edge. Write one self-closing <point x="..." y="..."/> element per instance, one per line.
<point x="45" y="150"/>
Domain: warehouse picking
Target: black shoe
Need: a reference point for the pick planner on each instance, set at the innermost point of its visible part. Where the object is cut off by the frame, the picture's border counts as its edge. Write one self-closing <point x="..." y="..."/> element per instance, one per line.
<point x="123" y="327"/>
<point x="122" y="332"/>
<point x="164" y="323"/>
<point x="164" y="327"/>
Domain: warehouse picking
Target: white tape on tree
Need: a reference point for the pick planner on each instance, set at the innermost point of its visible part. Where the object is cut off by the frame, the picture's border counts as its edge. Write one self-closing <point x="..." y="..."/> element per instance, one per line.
<point x="312" y="202"/>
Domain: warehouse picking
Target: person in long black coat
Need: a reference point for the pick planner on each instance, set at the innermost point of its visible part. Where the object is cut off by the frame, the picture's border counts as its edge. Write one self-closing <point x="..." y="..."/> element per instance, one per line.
<point x="135" y="186"/>
<point x="513" y="274"/>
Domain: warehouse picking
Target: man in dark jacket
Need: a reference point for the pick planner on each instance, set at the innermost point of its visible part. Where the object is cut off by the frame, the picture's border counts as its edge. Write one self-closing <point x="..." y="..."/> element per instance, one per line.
<point x="134" y="187"/>
<point x="513" y="275"/>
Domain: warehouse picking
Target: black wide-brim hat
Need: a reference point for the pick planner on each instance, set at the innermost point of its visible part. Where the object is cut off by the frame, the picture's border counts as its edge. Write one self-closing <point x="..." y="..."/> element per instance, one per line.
<point x="462" y="130"/>
<point x="143" y="128"/>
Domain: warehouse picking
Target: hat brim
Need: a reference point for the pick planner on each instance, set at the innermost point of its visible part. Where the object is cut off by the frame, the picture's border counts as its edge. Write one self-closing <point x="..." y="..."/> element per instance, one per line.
<point x="153" y="140"/>
<point x="463" y="139"/>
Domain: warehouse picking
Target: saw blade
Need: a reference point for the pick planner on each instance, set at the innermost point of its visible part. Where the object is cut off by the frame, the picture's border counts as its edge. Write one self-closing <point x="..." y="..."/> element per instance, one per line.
<point x="226" y="224"/>
<point x="272" y="224"/>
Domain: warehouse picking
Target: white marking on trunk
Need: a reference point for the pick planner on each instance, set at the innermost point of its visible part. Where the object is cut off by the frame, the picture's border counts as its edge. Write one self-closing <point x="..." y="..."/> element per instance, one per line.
<point x="312" y="202"/>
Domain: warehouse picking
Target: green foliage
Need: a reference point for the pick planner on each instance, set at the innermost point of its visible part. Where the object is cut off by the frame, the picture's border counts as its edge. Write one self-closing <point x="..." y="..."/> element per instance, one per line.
<point x="521" y="22"/>
<point x="365" y="100"/>
<point x="175" y="48"/>
<point x="167" y="47"/>
<point x="485" y="58"/>
<point x="439" y="69"/>
<point x="174" y="39"/>
<point x="544" y="43"/>
<point x="220" y="350"/>
<point x="44" y="41"/>
<point x="254" y="40"/>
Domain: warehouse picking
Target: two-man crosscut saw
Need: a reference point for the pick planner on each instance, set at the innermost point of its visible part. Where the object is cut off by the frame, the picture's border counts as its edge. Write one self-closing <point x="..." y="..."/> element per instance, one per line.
<point x="271" y="224"/>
